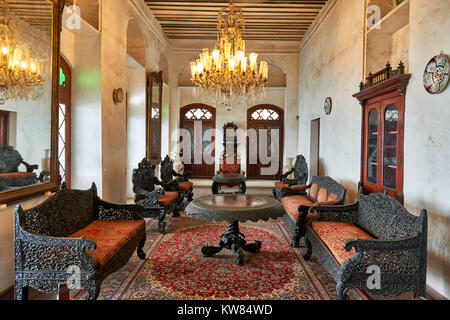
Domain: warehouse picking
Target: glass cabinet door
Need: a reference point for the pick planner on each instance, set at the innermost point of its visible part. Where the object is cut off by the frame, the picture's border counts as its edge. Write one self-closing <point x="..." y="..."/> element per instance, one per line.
<point x="390" y="147"/>
<point x="372" y="147"/>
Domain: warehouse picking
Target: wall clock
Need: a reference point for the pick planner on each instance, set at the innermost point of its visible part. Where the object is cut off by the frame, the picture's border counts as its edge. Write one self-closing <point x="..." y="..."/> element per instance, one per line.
<point x="327" y="105"/>
<point x="436" y="75"/>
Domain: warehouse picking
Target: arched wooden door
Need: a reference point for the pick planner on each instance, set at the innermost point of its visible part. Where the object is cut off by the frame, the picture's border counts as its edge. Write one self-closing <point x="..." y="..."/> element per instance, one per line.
<point x="199" y="116"/>
<point x="270" y="118"/>
<point x="65" y="123"/>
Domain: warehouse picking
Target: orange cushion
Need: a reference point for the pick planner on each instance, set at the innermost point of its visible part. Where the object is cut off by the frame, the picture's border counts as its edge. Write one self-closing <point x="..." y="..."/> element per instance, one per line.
<point x="280" y="185"/>
<point x="17" y="175"/>
<point x="230" y="168"/>
<point x="334" y="234"/>
<point x="332" y="197"/>
<point x="185" y="186"/>
<point x="291" y="204"/>
<point x="322" y="196"/>
<point x="166" y="198"/>
<point x="313" y="191"/>
<point x="110" y="236"/>
<point x="299" y="187"/>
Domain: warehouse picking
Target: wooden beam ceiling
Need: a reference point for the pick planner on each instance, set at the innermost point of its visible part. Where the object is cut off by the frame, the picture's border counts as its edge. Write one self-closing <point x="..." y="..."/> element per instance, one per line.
<point x="37" y="13"/>
<point x="264" y="20"/>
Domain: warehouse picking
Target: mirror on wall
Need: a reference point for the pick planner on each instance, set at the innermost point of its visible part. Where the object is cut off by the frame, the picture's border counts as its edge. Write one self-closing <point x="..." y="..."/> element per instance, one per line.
<point x="28" y="47"/>
<point x="154" y="109"/>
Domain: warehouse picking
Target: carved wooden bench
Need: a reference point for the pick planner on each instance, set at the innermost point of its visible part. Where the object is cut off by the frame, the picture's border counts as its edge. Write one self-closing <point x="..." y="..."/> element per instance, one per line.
<point x="297" y="202"/>
<point x="375" y="234"/>
<point x="300" y="171"/>
<point x="74" y="232"/>
<point x="157" y="202"/>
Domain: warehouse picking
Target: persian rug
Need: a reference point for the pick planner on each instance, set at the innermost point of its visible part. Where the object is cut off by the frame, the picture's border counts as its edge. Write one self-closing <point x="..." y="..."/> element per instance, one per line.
<point x="175" y="268"/>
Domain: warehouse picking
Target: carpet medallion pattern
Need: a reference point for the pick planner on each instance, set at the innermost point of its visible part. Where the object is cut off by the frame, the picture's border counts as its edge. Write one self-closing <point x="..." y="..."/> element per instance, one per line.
<point x="176" y="269"/>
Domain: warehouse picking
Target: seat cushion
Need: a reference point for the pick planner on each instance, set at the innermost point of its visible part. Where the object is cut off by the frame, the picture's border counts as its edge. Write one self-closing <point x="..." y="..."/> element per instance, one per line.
<point x="323" y="195"/>
<point x="291" y="204"/>
<point x="110" y="236"/>
<point x="166" y="198"/>
<point x="334" y="234"/>
<point x="17" y="175"/>
<point x="185" y="186"/>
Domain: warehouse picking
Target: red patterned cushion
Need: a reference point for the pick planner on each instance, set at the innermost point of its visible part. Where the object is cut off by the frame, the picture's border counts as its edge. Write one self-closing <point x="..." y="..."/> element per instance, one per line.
<point x="292" y="203"/>
<point x="313" y="191"/>
<point x="110" y="237"/>
<point x="17" y="175"/>
<point x="280" y="185"/>
<point x="185" y="186"/>
<point x="230" y="168"/>
<point x="322" y="196"/>
<point x="332" y="198"/>
<point x="334" y="234"/>
<point x="166" y="198"/>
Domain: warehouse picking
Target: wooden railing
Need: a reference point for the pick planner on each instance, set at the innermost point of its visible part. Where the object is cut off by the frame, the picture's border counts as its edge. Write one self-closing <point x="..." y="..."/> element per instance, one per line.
<point x="382" y="75"/>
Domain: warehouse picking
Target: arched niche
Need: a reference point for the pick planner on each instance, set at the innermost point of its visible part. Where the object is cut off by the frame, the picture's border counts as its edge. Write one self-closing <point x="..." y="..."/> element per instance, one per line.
<point x="135" y="43"/>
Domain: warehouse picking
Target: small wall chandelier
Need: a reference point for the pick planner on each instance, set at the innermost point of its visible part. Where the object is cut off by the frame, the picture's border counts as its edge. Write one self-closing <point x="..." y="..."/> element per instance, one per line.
<point x="20" y="74"/>
<point x="223" y="76"/>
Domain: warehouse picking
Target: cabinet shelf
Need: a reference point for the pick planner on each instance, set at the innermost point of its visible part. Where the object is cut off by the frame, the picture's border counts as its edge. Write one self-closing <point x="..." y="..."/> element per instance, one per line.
<point x="396" y="19"/>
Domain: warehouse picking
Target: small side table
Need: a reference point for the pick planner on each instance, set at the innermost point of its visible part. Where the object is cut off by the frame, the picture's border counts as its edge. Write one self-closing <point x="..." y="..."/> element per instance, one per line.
<point x="234" y="208"/>
<point x="228" y="179"/>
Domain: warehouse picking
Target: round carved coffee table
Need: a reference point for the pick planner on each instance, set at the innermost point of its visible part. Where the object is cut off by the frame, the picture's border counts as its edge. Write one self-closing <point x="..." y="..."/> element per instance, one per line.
<point x="228" y="179"/>
<point x="234" y="208"/>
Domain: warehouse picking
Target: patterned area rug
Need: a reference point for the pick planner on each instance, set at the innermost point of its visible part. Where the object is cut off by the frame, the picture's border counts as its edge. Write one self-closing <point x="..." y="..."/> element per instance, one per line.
<point x="176" y="269"/>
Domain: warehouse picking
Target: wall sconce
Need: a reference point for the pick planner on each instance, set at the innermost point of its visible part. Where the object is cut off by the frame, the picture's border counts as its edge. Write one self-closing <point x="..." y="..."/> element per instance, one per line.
<point x="117" y="96"/>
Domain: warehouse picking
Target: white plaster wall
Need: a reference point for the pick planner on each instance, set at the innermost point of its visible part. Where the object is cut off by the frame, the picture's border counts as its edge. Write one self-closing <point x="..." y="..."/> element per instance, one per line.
<point x="427" y="138"/>
<point x="135" y="122"/>
<point x="331" y="66"/>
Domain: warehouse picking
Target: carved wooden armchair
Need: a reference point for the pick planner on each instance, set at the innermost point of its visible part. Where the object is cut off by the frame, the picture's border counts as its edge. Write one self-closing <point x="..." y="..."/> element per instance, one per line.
<point x="157" y="202"/>
<point x="296" y="185"/>
<point x="180" y="184"/>
<point x="10" y="176"/>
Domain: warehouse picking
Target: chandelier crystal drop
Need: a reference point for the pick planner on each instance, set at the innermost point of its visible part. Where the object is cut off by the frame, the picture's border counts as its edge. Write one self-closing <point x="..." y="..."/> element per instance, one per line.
<point x="225" y="74"/>
<point x="20" y="72"/>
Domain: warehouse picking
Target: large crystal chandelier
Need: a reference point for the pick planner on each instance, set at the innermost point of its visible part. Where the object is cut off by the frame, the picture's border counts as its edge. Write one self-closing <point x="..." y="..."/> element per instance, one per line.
<point x="20" y="73"/>
<point x="223" y="76"/>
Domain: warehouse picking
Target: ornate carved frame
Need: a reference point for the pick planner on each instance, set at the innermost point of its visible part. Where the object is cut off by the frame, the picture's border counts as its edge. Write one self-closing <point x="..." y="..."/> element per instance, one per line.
<point x="17" y="195"/>
<point x="154" y="156"/>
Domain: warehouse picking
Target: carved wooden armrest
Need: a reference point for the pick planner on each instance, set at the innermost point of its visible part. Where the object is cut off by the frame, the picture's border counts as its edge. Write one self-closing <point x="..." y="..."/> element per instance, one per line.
<point x="337" y="213"/>
<point x="284" y="175"/>
<point x="30" y="167"/>
<point x="285" y="192"/>
<point x="382" y="245"/>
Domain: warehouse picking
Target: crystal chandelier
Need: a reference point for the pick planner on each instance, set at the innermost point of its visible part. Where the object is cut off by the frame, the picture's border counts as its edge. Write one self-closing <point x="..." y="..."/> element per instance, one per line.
<point x="223" y="76"/>
<point x="20" y="73"/>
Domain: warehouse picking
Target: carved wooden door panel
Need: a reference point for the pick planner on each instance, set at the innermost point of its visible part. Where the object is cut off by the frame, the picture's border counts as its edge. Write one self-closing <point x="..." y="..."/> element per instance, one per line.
<point x="266" y="121"/>
<point x="203" y="117"/>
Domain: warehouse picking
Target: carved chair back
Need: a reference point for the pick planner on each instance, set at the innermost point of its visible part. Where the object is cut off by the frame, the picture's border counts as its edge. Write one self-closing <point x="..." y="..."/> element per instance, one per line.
<point x="301" y="170"/>
<point x="63" y="213"/>
<point x="166" y="169"/>
<point x="143" y="178"/>
<point x="332" y="186"/>
<point x="385" y="217"/>
<point x="10" y="159"/>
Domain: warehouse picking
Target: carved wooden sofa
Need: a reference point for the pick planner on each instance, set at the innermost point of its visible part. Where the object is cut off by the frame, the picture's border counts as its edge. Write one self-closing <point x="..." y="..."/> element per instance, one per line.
<point x="10" y="177"/>
<point x="180" y="184"/>
<point x="376" y="233"/>
<point x="157" y="202"/>
<point x="297" y="202"/>
<point x="74" y="231"/>
<point x="300" y="171"/>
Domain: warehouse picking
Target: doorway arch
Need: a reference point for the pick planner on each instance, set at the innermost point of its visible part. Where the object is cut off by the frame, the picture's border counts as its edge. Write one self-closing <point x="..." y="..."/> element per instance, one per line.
<point x="268" y="117"/>
<point x="206" y="116"/>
